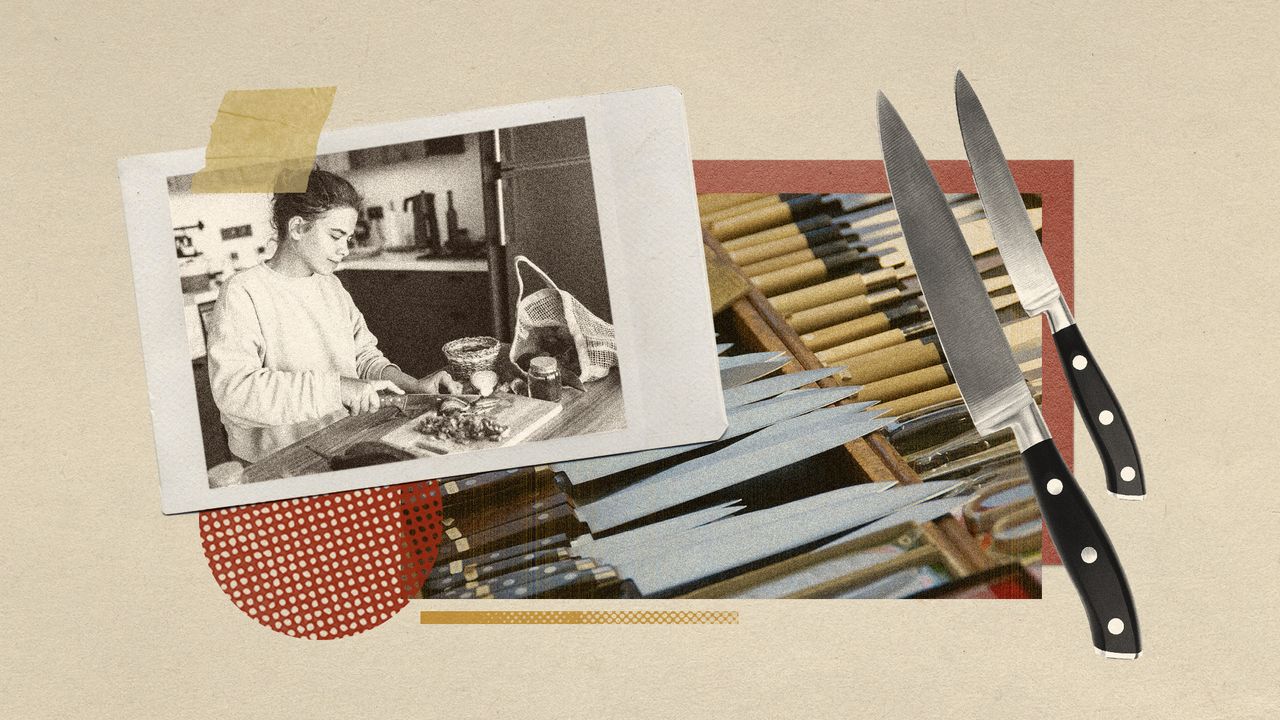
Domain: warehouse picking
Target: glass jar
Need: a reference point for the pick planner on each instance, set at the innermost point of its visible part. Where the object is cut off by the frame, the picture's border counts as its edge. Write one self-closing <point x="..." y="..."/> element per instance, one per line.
<point x="544" y="379"/>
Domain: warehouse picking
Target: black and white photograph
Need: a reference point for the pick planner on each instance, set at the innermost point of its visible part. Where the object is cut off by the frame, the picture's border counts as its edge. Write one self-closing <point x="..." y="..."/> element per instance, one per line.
<point x="429" y="298"/>
<point x="370" y="318"/>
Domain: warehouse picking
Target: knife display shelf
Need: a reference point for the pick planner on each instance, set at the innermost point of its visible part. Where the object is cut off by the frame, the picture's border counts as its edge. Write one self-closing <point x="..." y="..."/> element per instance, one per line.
<point x="542" y="532"/>
<point x="758" y="325"/>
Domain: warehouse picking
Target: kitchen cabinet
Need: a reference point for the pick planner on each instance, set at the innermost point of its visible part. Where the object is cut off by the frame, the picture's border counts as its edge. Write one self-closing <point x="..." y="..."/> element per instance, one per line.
<point x="413" y="313"/>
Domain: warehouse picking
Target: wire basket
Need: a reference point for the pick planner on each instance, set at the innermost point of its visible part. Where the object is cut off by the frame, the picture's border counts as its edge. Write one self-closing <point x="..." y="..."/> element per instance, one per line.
<point x="470" y="354"/>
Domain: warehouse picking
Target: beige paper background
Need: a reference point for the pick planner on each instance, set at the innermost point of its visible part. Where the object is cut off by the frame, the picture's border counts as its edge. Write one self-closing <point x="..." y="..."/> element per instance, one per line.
<point x="1169" y="113"/>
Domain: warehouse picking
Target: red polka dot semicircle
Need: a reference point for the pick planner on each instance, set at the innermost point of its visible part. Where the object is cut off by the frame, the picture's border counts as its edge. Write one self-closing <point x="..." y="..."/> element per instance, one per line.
<point x="329" y="566"/>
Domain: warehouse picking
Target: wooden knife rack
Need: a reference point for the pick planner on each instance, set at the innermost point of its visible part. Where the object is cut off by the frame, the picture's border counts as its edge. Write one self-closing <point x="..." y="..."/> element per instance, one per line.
<point x="760" y="328"/>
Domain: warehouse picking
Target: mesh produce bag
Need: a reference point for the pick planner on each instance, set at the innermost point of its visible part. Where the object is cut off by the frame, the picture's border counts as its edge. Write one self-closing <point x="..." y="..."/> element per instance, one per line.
<point x="553" y="322"/>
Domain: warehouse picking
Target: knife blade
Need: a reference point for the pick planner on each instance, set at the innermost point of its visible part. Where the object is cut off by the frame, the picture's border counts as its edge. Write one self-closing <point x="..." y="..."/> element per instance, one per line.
<point x="728" y="362"/>
<point x="918" y="513"/>
<point x="735" y="542"/>
<point x="1033" y="279"/>
<point x="741" y="374"/>
<point x="994" y="390"/>
<point x="645" y="535"/>
<point x="632" y="545"/>
<point x="742" y="420"/>
<point x="769" y="387"/>
<point x="769" y="449"/>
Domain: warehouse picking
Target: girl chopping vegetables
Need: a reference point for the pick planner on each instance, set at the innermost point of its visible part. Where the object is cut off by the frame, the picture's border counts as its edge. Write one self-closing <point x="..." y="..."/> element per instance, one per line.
<point x="289" y="352"/>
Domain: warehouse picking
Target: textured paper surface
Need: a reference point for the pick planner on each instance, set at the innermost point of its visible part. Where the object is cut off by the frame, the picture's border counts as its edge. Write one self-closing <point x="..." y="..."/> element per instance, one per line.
<point x="1169" y="113"/>
<point x="264" y="140"/>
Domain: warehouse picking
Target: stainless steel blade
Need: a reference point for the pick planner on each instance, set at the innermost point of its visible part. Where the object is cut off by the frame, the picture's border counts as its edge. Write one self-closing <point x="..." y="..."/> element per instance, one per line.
<point x="706" y="551"/>
<point x="658" y="532"/>
<point x="769" y="449"/>
<point x="974" y="343"/>
<point x="741" y="374"/>
<point x="633" y="552"/>
<point x="742" y="420"/>
<point x="919" y="513"/>
<point x="767" y="388"/>
<point x="732" y="361"/>
<point x="1023" y="256"/>
<point x="721" y="347"/>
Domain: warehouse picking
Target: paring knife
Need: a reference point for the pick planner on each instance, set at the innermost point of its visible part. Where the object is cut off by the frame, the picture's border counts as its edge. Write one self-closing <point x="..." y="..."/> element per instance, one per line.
<point x="1034" y="281"/>
<point x="995" y="391"/>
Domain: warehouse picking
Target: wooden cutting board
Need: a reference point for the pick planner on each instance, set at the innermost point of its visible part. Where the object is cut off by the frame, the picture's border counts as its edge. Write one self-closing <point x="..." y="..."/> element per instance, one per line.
<point x="523" y="416"/>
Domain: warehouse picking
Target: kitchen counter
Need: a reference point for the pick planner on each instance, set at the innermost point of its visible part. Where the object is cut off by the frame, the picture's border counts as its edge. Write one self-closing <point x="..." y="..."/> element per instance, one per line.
<point x="597" y="409"/>
<point x="409" y="261"/>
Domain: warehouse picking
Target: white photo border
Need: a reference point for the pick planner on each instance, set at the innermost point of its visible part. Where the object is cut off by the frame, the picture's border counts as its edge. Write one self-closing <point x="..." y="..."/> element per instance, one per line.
<point x="642" y="171"/>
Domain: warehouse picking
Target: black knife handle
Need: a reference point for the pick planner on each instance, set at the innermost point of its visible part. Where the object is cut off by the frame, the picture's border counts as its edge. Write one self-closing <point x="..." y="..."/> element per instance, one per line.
<point x="1086" y="552"/>
<point x="1102" y="415"/>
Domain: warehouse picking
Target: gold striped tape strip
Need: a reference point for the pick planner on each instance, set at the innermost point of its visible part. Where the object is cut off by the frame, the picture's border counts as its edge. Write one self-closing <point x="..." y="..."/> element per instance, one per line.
<point x="578" y="617"/>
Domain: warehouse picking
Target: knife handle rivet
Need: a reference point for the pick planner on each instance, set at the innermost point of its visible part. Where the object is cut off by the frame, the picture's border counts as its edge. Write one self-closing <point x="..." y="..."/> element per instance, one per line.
<point x="1079" y="362"/>
<point x="1105" y="417"/>
<point x="1115" y="626"/>
<point x="1089" y="555"/>
<point x="1127" y="474"/>
<point x="1054" y="486"/>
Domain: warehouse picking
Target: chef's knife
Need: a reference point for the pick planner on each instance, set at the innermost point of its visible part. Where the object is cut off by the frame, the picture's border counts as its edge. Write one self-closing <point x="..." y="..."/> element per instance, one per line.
<point x="1034" y="281"/>
<point x="995" y="391"/>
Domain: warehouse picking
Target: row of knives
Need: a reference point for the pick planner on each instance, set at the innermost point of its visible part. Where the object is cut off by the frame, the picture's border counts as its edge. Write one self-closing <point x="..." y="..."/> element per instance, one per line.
<point x="695" y="520"/>
<point x="821" y="274"/>
<point x="917" y="315"/>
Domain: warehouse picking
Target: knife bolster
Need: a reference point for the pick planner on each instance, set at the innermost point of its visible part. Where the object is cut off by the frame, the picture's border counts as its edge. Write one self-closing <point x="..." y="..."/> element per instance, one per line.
<point x="1028" y="426"/>
<point x="1059" y="314"/>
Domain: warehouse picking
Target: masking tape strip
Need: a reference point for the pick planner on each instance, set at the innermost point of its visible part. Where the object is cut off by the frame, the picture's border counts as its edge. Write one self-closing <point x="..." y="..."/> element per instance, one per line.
<point x="727" y="285"/>
<point x="264" y="141"/>
<point x="578" y="617"/>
